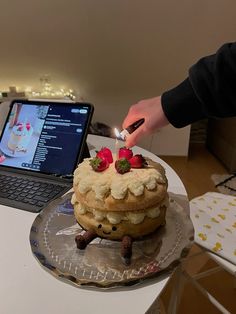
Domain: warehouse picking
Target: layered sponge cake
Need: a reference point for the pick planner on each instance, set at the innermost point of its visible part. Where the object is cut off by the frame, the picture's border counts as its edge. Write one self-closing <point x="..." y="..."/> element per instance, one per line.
<point x="120" y="197"/>
<point x="20" y="137"/>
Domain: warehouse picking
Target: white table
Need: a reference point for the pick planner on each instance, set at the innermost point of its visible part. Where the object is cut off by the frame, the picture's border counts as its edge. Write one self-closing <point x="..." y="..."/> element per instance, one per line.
<point x="26" y="288"/>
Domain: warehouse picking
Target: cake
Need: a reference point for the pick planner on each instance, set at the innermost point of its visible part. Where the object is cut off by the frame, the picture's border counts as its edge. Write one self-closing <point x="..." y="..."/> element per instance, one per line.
<point x="114" y="201"/>
<point x="20" y="137"/>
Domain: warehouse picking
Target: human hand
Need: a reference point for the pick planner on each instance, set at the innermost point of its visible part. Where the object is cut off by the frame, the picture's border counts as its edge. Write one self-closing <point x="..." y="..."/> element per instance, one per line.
<point x="149" y="109"/>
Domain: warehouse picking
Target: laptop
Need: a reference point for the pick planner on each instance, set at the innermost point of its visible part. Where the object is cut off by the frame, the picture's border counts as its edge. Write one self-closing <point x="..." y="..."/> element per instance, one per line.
<point x="40" y="146"/>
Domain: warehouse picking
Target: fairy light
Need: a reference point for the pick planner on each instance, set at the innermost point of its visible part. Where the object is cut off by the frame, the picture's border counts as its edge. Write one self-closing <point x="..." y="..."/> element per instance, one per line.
<point x="47" y="92"/>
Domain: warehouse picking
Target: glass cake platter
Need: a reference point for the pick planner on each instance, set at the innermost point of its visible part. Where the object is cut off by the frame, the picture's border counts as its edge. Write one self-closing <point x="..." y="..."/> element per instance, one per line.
<point x="52" y="239"/>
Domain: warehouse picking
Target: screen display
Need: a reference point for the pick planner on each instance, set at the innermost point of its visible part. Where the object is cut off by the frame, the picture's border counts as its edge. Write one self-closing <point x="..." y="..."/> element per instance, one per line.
<point x="44" y="137"/>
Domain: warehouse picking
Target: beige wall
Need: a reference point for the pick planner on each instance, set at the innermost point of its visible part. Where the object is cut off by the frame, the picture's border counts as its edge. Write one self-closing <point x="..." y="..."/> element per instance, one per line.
<point x="112" y="52"/>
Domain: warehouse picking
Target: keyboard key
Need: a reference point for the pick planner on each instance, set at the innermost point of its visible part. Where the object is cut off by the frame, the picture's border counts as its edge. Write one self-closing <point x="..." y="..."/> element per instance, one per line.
<point x="4" y="194"/>
<point x="25" y="200"/>
<point x="12" y="197"/>
<point x="40" y="204"/>
<point x="40" y="198"/>
<point x="32" y="202"/>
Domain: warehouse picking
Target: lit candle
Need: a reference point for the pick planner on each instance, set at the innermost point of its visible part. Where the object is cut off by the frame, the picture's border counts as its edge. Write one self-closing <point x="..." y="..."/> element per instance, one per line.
<point x="117" y="133"/>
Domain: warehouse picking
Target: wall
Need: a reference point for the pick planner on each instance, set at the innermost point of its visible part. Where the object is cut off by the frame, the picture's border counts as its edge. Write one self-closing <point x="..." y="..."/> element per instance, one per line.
<point x="112" y="52"/>
<point x="4" y="109"/>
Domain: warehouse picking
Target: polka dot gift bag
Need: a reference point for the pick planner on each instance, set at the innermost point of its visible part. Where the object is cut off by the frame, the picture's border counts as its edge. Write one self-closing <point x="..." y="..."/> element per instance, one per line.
<point x="214" y="219"/>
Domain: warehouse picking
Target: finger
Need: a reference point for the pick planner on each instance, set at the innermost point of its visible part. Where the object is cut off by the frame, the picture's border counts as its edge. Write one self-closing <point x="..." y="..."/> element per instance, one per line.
<point x="132" y="116"/>
<point x="133" y="138"/>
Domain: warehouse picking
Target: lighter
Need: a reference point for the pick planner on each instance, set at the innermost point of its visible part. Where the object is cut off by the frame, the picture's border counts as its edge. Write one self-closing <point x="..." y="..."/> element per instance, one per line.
<point x="130" y="129"/>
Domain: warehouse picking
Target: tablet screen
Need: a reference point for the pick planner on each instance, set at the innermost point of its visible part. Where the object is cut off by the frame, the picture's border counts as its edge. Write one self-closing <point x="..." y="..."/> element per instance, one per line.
<point x="45" y="136"/>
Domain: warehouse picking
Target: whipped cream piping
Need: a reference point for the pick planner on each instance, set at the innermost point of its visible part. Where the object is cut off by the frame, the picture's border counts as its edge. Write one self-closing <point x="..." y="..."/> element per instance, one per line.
<point x="135" y="217"/>
<point x="118" y="184"/>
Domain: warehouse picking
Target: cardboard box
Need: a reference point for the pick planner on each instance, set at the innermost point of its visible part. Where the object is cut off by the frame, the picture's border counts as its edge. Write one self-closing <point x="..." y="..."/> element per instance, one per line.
<point x="221" y="141"/>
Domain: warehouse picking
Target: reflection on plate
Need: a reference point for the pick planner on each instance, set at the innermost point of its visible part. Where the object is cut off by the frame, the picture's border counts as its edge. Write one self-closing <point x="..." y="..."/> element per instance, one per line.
<point x="52" y="242"/>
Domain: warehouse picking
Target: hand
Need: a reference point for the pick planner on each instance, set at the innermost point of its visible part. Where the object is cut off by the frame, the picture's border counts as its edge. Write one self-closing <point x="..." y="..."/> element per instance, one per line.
<point x="149" y="109"/>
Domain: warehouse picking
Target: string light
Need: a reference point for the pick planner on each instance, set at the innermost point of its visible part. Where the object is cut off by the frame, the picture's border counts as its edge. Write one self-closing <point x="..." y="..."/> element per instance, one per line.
<point x="46" y="91"/>
<point x="51" y="93"/>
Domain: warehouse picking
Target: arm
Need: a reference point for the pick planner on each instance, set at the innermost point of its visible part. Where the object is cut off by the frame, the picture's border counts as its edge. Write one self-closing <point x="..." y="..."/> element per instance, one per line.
<point x="209" y="91"/>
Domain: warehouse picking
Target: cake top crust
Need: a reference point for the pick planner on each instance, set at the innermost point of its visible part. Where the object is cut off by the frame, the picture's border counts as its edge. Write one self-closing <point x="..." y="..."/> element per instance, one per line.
<point x="109" y="190"/>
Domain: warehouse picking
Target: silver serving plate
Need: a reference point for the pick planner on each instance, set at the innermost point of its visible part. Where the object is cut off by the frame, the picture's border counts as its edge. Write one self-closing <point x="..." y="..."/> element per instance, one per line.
<point x="52" y="239"/>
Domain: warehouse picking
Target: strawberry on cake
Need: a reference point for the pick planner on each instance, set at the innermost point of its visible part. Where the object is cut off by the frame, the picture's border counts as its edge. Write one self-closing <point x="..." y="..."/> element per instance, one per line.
<point x="119" y="199"/>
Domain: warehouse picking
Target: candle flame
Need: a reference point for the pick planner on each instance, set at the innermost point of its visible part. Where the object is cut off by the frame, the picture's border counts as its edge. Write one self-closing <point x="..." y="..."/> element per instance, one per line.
<point x="117" y="133"/>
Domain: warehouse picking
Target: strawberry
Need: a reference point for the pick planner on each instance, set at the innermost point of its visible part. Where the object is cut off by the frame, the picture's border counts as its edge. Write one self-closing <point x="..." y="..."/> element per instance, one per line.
<point x="125" y="153"/>
<point x="99" y="164"/>
<point x="138" y="161"/>
<point x="2" y="158"/>
<point x="105" y="153"/>
<point x="20" y="127"/>
<point x="28" y="126"/>
<point x="122" y="165"/>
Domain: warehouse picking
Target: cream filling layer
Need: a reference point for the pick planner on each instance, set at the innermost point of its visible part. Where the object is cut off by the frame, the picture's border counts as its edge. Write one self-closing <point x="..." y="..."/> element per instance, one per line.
<point x="86" y="179"/>
<point x="134" y="217"/>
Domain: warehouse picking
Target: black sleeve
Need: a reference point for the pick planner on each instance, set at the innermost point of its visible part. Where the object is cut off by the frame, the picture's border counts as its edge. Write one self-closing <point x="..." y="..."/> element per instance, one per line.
<point x="209" y="91"/>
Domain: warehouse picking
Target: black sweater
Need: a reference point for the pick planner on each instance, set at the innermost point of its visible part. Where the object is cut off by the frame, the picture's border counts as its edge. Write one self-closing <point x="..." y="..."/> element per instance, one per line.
<point x="209" y="91"/>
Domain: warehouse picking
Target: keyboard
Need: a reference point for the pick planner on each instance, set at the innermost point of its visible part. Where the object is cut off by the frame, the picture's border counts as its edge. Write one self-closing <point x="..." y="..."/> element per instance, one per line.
<point x="26" y="191"/>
